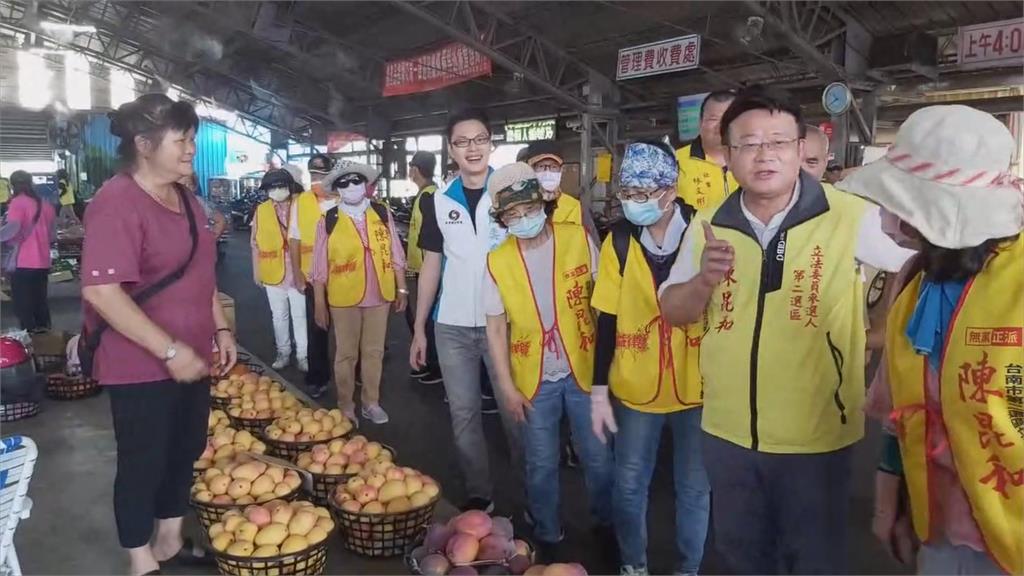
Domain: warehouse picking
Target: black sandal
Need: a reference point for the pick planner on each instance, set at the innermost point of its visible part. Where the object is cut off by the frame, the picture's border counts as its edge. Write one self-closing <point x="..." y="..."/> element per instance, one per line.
<point x="186" y="557"/>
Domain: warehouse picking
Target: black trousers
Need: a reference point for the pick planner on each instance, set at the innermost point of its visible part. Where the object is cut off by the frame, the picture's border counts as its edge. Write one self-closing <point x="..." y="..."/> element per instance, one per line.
<point x="160" y="428"/>
<point x="318" y="352"/>
<point x="29" y="291"/>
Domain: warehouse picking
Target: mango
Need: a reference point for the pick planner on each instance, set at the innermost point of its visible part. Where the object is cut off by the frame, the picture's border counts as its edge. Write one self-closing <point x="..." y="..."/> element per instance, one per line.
<point x="316" y="535"/>
<point x="246" y="531"/>
<point x="243" y="549"/>
<point x="325" y="524"/>
<point x="434" y="565"/>
<point x="258" y="515"/>
<point x="239" y="488"/>
<point x="262" y="485"/>
<point x="221" y="541"/>
<point x="352" y="506"/>
<point x="419" y="499"/>
<point x="400" y="504"/>
<point x="462" y="548"/>
<point x="265" y="552"/>
<point x="276" y="474"/>
<point x="496" y="547"/>
<point x="559" y="569"/>
<point x="476" y="523"/>
<point x="282" y="489"/>
<point x="374" y="507"/>
<point x="219" y="484"/>
<point x="271" y="535"/>
<point x="502" y="526"/>
<point x="393" y="489"/>
<point x="302" y="522"/>
<point x="437" y="537"/>
<point x="203" y="496"/>
<point x="248" y="471"/>
<point x="294" y="544"/>
<point x="282" y="514"/>
<point x="222" y="499"/>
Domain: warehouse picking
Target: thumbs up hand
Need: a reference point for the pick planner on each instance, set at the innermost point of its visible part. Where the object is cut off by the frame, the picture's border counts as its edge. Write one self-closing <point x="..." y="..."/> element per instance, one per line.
<point x="717" y="259"/>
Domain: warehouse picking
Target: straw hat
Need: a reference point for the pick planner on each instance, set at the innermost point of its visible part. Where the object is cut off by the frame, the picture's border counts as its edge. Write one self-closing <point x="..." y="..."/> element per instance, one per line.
<point x="946" y="176"/>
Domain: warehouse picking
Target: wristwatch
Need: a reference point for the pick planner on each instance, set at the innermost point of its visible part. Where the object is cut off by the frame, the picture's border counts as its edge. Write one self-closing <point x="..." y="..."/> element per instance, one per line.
<point x="171" y="352"/>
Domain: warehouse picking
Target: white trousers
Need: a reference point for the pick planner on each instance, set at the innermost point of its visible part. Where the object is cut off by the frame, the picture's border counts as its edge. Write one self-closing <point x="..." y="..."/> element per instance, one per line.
<point x="288" y="304"/>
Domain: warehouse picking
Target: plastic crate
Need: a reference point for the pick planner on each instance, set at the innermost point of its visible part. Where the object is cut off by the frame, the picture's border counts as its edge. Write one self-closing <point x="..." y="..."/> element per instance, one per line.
<point x="18" y="410"/>
<point x="63" y="387"/>
<point x="312" y="561"/>
<point x="382" y="535"/>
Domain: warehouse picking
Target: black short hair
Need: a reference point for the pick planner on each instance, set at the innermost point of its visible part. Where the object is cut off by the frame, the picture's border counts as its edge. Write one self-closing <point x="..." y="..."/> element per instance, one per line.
<point x="478" y="114"/>
<point x="762" y="98"/>
<point x="150" y="116"/>
<point x="717" y="96"/>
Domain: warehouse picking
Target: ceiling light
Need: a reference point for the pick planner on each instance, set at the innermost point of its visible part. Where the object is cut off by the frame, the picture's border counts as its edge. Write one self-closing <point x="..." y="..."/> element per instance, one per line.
<point x="65" y="26"/>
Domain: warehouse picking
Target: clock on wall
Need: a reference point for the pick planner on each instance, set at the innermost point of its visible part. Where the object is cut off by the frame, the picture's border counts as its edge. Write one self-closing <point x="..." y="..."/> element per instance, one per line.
<point x="836" y="99"/>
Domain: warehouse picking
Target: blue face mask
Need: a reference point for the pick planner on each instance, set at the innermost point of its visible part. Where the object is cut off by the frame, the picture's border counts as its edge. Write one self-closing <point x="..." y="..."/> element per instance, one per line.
<point x="528" y="226"/>
<point x="642" y="213"/>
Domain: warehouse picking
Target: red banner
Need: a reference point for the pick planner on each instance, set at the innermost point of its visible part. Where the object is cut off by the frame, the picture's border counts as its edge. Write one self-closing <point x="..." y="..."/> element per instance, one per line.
<point x="452" y="63"/>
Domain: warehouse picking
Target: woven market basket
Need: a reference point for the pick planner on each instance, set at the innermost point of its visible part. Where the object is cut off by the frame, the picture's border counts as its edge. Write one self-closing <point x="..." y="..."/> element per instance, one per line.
<point x="63" y="387"/>
<point x="324" y="484"/>
<point x="312" y="561"/>
<point x="290" y="450"/>
<point x="382" y="535"/>
<point x="209" y="513"/>
<point x="50" y="363"/>
<point x="255" y="426"/>
<point x="18" y="410"/>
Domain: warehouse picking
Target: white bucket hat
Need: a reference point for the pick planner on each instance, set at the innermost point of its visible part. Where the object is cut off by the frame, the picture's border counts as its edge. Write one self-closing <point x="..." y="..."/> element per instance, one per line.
<point x="343" y="167"/>
<point x="946" y="176"/>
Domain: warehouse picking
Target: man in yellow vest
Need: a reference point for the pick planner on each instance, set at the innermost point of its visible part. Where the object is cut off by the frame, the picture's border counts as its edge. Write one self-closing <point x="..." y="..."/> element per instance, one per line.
<point x="951" y="385"/>
<point x="649" y="366"/>
<point x="421" y="172"/>
<point x="540" y="333"/>
<point x="704" y="176"/>
<point x="307" y="209"/>
<point x="546" y="160"/>
<point x="773" y="274"/>
<point x="271" y="266"/>
<point x="359" y="273"/>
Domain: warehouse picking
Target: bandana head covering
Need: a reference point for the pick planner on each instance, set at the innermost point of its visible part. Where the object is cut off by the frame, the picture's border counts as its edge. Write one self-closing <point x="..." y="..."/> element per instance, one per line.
<point x="647" y="166"/>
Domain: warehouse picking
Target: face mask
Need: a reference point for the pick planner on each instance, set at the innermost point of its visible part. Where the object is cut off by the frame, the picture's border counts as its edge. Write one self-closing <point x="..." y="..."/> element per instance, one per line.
<point x="354" y="194"/>
<point x="549" y="180"/>
<point x="643" y="213"/>
<point x="893" y="228"/>
<point x="279" y="194"/>
<point x="528" y="226"/>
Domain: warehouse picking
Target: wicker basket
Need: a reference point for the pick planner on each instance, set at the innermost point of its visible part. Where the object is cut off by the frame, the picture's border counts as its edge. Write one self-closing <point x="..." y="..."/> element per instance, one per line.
<point x="324" y="484"/>
<point x="382" y="535"/>
<point x="220" y="403"/>
<point x="312" y="561"/>
<point x="50" y="363"/>
<point x="18" y="410"/>
<point x="209" y="513"/>
<point x="255" y="426"/>
<point x="63" y="387"/>
<point x="290" y="450"/>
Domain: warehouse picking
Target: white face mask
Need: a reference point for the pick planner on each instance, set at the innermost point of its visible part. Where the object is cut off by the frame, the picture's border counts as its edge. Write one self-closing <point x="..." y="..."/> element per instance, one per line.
<point x="279" y="194"/>
<point x="354" y="194"/>
<point x="549" y="181"/>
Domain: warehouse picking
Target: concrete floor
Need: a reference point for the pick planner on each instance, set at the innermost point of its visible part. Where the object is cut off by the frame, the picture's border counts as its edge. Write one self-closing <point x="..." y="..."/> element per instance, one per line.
<point x="71" y="530"/>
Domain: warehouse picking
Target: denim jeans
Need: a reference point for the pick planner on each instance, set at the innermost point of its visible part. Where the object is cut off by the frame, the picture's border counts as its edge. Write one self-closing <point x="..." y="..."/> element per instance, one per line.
<point x="542" y="441"/>
<point x="459" y="351"/>
<point x="636" y="450"/>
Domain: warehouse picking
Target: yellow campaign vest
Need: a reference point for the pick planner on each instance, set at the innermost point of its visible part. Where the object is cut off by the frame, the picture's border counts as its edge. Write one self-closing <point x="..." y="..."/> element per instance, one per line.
<point x="655" y="367"/>
<point x="568" y="210"/>
<point x="783" y="355"/>
<point x="414" y="258"/>
<point x="346" y="262"/>
<point x="308" y="206"/>
<point x="271" y="245"/>
<point x="702" y="183"/>
<point x="68" y="197"/>
<point x="5" y="190"/>
<point x="982" y="398"/>
<point x="573" y="285"/>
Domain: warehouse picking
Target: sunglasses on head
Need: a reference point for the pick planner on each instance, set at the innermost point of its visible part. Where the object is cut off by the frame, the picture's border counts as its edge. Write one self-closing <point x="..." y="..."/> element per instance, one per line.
<point x="345" y="182"/>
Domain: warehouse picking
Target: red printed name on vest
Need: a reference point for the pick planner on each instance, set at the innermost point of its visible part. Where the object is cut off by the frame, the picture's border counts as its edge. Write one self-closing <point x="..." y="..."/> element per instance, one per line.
<point x="520" y="348"/>
<point x="576" y="272"/>
<point x="346" y="268"/>
<point x="1003" y="336"/>
<point x="269" y="254"/>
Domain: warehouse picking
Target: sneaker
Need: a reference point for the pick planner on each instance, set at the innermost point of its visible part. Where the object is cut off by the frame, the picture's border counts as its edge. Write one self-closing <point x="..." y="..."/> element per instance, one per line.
<point x="374" y="413"/>
<point x="419" y="373"/>
<point x="477" y="503"/>
<point x="317" y="391"/>
<point x="488" y="405"/>
<point x="303" y="364"/>
<point x="282" y="360"/>
<point x="432" y="377"/>
<point x="631" y="571"/>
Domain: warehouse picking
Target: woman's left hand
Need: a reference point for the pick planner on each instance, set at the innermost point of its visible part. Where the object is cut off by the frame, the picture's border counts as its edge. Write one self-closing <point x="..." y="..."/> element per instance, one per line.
<point x="228" y="350"/>
<point x="401" y="301"/>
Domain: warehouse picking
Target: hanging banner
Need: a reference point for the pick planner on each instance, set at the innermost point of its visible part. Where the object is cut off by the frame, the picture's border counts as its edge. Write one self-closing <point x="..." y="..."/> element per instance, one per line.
<point x="525" y="132"/>
<point x="660" y="57"/>
<point x="338" y="140"/>
<point x="991" y="44"/>
<point x="450" y="64"/>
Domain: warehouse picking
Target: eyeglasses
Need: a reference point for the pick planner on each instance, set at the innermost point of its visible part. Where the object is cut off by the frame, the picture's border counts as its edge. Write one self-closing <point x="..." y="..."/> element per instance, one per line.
<point x="640" y="195"/>
<point x="481" y="140"/>
<point x="751" y="148"/>
<point x="343" y="183"/>
<point x="547" y="168"/>
<point x="512" y="215"/>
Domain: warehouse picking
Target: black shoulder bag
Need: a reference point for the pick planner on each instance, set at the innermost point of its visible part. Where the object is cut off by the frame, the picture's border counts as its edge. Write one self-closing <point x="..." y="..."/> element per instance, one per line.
<point x="89" y="341"/>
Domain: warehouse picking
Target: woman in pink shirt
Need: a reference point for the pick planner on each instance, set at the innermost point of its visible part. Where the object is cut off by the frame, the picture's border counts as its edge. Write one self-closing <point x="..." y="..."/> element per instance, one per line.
<point x="359" y="273"/>
<point x="154" y="359"/>
<point x="29" y="280"/>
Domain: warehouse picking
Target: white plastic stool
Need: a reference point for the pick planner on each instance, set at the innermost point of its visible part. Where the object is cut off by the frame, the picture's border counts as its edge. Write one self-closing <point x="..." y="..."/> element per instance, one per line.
<point x="17" y="460"/>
